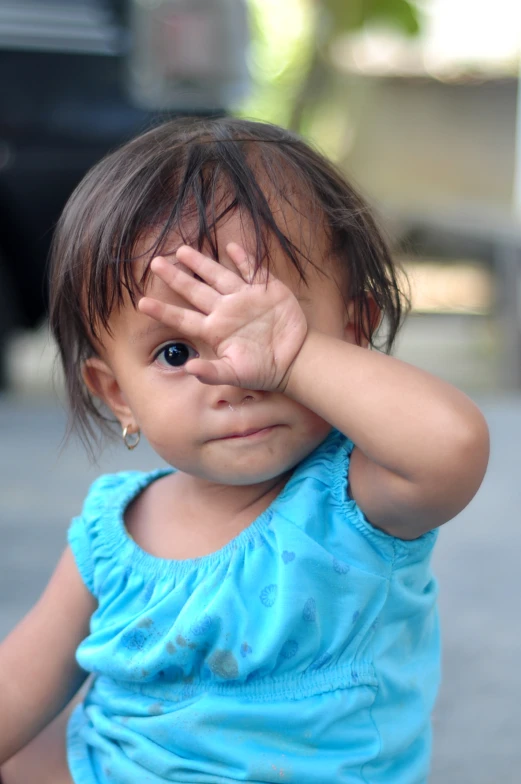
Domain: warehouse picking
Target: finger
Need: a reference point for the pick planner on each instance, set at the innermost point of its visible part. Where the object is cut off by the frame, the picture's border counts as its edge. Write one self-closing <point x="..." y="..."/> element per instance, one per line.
<point x="218" y="277"/>
<point x="244" y="263"/>
<point x="213" y="372"/>
<point x="197" y="293"/>
<point x="188" y="322"/>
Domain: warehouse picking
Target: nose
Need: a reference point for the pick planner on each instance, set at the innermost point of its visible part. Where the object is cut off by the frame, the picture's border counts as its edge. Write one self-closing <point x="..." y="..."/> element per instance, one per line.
<point x="235" y="397"/>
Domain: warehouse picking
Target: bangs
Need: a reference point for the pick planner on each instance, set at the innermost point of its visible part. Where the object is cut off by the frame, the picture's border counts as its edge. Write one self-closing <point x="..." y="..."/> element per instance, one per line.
<point x="182" y="199"/>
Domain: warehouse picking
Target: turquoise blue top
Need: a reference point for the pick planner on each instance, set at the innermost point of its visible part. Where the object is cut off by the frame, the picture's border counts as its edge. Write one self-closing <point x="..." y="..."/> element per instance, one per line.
<point x="306" y="650"/>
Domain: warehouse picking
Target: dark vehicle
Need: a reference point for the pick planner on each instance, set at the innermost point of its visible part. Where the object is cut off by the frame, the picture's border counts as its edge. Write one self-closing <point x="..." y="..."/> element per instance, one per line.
<point x="78" y="78"/>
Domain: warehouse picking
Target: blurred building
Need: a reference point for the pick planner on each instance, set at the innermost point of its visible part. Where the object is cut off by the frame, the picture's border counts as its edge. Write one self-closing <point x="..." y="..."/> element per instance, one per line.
<point x="423" y="143"/>
<point x="434" y="137"/>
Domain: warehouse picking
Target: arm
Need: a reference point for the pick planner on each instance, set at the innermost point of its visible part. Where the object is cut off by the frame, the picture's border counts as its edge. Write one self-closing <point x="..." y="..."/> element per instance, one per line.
<point x="38" y="670"/>
<point x="422" y="445"/>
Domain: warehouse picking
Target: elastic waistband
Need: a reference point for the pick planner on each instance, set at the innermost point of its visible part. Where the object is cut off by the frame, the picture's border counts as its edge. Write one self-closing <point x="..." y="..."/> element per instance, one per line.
<point x="264" y="689"/>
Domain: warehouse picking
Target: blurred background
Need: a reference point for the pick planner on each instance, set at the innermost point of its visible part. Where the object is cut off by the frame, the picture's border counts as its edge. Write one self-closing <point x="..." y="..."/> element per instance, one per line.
<point x="419" y="102"/>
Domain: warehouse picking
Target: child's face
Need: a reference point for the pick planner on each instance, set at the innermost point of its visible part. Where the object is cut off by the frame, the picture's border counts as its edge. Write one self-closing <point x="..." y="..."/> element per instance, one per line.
<point x="222" y="434"/>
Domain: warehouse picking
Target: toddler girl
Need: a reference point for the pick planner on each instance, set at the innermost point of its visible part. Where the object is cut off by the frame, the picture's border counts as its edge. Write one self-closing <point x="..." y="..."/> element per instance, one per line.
<point x="261" y="609"/>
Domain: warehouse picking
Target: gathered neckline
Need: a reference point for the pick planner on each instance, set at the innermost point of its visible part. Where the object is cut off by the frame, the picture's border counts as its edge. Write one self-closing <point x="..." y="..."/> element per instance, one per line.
<point x="244" y="537"/>
<point x="247" y="534"/>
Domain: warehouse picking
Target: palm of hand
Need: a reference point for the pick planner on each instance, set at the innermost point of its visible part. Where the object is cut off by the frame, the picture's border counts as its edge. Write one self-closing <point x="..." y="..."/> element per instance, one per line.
<point x="255" y="330"/>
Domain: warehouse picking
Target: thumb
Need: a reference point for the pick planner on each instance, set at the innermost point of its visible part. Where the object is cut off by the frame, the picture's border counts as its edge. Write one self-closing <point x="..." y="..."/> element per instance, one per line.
<point x="212" y="372"/>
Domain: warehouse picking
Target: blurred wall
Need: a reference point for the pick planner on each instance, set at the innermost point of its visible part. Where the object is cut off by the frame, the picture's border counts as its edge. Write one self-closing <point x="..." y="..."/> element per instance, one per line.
<point x="421" y="142"/>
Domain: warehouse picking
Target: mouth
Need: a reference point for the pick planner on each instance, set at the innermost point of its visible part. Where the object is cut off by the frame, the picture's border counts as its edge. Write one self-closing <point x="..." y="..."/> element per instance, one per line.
<point x="251" y="434"/>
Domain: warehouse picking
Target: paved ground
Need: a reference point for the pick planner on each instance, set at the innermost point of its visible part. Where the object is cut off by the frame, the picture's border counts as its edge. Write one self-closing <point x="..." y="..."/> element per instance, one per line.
<point x="478" y="717"/>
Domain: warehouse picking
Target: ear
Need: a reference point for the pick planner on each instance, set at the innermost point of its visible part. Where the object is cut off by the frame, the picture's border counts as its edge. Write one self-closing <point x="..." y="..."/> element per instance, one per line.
<point x="362" y="319"/>
<point x="102" y="383"/>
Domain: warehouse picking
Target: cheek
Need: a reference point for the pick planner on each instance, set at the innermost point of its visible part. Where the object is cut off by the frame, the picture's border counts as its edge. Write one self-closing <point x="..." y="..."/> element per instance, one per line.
<point x="329" y="319"/>
<point x="170" y="432"/>
<point x="161" y="404"/>
<point x="312" y="426"/>
<point x="318" y="429"/>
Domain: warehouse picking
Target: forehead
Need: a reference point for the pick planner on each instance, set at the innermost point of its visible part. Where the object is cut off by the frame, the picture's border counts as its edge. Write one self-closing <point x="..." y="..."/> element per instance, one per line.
<point x="307" y="239"/>
<point x="304" y="235"/>
<point x="319" y="290"/>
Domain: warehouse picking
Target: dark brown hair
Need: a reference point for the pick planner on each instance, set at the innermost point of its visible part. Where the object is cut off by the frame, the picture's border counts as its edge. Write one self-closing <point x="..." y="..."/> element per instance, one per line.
<point x="185" y="176"/>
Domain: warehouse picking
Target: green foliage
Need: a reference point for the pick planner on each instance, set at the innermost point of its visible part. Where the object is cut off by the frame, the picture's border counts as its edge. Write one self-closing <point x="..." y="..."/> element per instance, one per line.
<point x="289" y="54"/>
<point x="349" y="15"/>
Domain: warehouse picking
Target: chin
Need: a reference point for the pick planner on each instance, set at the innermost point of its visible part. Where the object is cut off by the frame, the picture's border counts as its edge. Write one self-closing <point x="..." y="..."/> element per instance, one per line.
<point x="252" y="469"/>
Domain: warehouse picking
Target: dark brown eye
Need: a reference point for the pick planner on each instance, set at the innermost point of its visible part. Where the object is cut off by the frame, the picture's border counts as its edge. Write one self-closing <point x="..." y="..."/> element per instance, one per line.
<point x="176" y="354"/>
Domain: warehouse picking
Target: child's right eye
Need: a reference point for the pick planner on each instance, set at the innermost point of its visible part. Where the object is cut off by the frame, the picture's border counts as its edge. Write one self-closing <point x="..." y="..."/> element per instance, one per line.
<point x="175" y="355"/>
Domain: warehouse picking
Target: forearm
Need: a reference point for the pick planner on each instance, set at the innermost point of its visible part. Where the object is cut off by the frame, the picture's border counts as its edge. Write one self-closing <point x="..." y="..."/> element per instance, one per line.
<point x="382" y="404"/>
<point x="38" y="669"/>
<point x="421" y="435"/>
<point x="28" y="701"/>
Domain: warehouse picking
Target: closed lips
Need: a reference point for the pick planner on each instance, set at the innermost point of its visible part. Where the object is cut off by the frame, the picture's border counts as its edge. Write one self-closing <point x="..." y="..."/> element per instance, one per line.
<point x="251" y="431"/>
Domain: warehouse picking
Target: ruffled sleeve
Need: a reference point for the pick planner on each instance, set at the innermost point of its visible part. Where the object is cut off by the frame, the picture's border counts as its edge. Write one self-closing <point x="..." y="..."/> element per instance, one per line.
<point x="87" y="532"/>
<point x="79" y="543"/>
<point x="398" y="551"/>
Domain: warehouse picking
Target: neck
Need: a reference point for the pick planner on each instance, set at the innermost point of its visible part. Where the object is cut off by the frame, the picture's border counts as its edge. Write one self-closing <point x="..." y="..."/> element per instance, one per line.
<point x="230" y="501"/>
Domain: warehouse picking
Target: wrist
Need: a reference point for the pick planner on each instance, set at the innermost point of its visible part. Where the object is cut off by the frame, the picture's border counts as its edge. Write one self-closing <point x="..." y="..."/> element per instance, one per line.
<point x="303" y="361"/>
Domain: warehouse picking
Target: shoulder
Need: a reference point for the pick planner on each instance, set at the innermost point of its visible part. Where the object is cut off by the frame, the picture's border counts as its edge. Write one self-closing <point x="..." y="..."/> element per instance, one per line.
<point x="111" y="496"/>
<point x="149" y="511"/>
<point x="98" y="533"/>
<point x="327" y="465"/>
<point x="320" y="499"/>
<point x="108" y="487"/>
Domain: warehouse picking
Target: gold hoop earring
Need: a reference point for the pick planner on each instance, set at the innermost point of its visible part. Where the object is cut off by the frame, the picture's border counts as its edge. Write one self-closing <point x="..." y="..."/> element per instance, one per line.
<point x="131" y="440"/>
